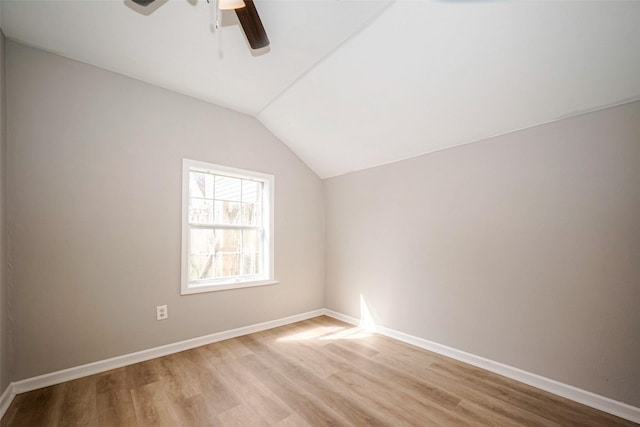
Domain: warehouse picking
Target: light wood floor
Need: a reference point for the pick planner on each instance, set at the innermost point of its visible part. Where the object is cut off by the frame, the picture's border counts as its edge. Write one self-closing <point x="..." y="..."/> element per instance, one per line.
<point x="317" y="372"/>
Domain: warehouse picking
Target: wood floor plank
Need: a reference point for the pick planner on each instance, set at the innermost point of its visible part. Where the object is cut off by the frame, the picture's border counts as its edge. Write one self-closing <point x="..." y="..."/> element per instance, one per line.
<point x="113" y="399"/>
<point x="79" y="407"/>
<point x="242" y="416"/>
<point x="252" y="392"/>
<point x="471" y="397"/>
<point x="199" y="372"/>
<point x="403" y="404"/>
<point x="194" y="411"/>
<point x="140" y="374"/>
<point x="318" y="372"/>
<point x="306" y="380"/>
<point x="293" y="420"/>
<point x="313" y="411"/>
<point x="152" y="407"/>
<point x="405" y="409"/>
<point x="171" y="376"/>
<point x="437" y="395"/>
<point x="228" y="349"/>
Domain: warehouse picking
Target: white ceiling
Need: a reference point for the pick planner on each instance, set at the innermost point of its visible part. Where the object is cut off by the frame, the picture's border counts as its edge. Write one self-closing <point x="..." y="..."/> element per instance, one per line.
<point x="352" y="84"/>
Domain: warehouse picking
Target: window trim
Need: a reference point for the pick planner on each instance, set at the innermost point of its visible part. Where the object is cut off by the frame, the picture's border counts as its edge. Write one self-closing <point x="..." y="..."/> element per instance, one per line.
<point x="268" y="278"/>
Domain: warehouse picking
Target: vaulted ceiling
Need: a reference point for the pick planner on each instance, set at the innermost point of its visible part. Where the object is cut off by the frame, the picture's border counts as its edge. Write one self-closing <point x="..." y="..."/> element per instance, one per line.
<point x="352" y="84"/>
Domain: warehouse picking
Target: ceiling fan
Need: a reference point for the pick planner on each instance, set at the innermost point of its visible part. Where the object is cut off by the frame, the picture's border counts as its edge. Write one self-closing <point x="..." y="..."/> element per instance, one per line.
<point x="247" y="15"/>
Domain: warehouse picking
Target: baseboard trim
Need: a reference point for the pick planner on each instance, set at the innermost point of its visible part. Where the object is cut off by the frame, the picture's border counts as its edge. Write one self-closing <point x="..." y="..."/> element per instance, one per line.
<point x="58" y="377"/>
<point x="342" y="317"/>
<point x="587" y="398"/>
<point x="6" y="398"/>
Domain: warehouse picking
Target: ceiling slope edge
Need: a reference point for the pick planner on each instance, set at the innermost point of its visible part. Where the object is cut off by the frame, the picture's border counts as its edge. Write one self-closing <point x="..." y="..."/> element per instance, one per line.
<point x="484" y="139"/>
<point x="103" y="67"/>
<point x="386" y="5"/>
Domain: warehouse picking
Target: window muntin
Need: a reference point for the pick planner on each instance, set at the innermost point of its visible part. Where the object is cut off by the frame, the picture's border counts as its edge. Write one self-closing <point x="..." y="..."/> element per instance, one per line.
<point x="227" y="228"/>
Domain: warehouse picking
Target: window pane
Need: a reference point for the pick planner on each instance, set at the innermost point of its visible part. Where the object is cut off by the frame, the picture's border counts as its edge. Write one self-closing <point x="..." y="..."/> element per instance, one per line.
<point x="227" y="213"/>
<point x="227" y="264"/>
<point x="251" y="214"/>
<point x="201" y="254"/>
<point x="200" y="211"/>
<point x="251" y="247"/>
<point x="251" y="240"/>
<point x="251" y="263"/>
<point x="227" y="258"/>
<point x="200" y="185"/>
<point x="251" y="191"/>
<point x="228" y="188"/>
<point x="201" y="242"/>
<point x="252" y="202"/>
<point x="200" y="267"/>
<point x="228" y="241"/>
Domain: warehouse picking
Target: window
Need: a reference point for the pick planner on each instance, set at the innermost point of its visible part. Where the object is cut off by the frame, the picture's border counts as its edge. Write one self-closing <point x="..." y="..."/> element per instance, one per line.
<point x="227" y="228"/>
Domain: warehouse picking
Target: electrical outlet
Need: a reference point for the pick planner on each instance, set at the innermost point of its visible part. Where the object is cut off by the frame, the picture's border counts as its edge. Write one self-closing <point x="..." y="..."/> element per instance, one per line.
<point x="161" y="312"/>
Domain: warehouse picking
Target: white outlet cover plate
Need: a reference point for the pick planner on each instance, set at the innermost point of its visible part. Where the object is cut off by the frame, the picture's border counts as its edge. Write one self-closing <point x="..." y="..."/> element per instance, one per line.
<point x="161" y="312"/>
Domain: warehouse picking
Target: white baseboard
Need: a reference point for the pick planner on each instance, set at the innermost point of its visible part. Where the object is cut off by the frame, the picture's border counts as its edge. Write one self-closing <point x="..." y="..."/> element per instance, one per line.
<point x="588" y="398"/>
<point x="343" y="317"/>
<point x="6" y="398"/>
<point x="58" y="377"/>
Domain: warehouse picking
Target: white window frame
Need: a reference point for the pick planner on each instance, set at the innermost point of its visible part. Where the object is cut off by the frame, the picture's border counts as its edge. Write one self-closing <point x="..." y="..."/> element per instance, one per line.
<point x="221" y="284"/>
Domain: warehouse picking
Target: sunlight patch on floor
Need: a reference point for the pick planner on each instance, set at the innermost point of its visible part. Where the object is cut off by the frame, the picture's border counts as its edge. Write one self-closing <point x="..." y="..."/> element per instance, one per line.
<point x="325" y="333"/>
<point x="348" y="334"/>
<point x="365" y="329"/>
<point x="312" y="334"/>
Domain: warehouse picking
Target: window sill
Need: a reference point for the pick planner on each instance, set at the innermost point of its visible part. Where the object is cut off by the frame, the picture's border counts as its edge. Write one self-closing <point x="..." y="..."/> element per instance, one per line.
<point x="197" y="289"/>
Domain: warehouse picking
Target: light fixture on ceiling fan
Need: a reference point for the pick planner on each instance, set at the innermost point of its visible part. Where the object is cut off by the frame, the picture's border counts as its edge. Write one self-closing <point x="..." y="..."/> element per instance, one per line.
<point x="230" y="4"/>
<point x="247" y="15"/>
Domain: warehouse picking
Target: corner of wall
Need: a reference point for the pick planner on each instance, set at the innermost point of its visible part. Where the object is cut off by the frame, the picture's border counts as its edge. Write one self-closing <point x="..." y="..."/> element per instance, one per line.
<point x="324" y="243"/>
<point x="5" y="377"/>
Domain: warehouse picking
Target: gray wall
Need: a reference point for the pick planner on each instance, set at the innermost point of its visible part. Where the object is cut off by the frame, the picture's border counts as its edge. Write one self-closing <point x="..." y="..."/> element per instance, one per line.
<point x="94" y="175"/>
<point x="4" y="320"/>
<point x="524" y="249"/>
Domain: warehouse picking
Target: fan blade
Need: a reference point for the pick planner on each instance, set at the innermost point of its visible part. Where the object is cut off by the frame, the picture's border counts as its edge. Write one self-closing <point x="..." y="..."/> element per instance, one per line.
<point x="143" y="2"/>
<point x="252" y="25"/>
